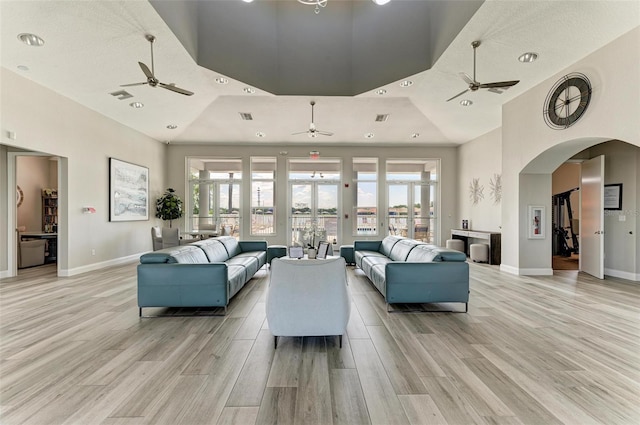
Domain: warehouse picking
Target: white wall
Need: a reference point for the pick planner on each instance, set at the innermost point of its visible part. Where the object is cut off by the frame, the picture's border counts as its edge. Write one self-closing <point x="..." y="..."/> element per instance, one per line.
<point x="530" y="147"/>
<point x="480" y="159"/>
<point x="47" y="122"/>
<point x="448" y="187"/>
<point x="3" y="210"/>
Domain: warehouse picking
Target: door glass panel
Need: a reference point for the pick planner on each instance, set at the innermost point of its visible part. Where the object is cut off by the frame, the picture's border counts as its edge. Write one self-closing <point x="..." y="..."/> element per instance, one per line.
<point x="229" y="209"/>
<point x="398" y="209"/>
<point x="327" y="213"/>
<point x="301" y="195"/>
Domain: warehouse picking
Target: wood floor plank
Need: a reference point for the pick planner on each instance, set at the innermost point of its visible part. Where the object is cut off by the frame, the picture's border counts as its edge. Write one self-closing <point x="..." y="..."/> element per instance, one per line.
<point x="421" y="410"/>
<point x="278" y="406"/>
<point x="347" y="400"/>
<point x="250" y="386"/>
<point x="285" y="369"/>
<point x="313" y="398"/>
<point x="382" y="401"/>
<point x="238" y="416"/>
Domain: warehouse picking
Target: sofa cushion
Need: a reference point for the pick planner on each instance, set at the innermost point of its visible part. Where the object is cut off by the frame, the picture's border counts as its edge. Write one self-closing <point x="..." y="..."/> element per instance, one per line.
<point x="360" y="255"/>
<point x="377" y="276"/>
<point x="188" y="254"/>
<point x="249" y="262"/>
<point x="231" y="244"/>
<point x="369" y="262"/>
<point x="423" y="254"/>
<point x="387" y="244"/>
<point x="169" y="255"/>
<point x="236" y="278"/>
<point x="214" y="250"/>
<point x="401" y="249"/>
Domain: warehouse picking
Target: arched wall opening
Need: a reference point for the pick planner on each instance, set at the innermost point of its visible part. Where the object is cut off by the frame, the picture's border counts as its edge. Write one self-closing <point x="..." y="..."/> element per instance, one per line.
<point x="622" y="165"/>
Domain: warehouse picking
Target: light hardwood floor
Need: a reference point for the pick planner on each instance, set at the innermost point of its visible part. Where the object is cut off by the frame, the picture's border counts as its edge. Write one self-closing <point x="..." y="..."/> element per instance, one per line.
<point x="543" y="350"/>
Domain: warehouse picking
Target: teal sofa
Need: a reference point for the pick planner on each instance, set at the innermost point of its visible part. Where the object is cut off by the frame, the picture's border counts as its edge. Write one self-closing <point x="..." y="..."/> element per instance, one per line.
<point x="205" y="273"/>
<point x="409" y="271"/>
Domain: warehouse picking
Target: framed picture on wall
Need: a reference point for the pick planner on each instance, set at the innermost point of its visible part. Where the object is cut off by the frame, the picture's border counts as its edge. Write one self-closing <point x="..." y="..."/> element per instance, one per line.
<point x="613" y="196"/>
<point x="536" y="223"/>
<point x="128" y="191"/>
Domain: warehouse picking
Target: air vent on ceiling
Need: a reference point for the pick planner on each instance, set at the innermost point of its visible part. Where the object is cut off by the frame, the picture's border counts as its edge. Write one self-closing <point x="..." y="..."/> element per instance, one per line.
<point x="121" y="94"/>
<point x="382" y="117"/>
<point x="246" y="116"/>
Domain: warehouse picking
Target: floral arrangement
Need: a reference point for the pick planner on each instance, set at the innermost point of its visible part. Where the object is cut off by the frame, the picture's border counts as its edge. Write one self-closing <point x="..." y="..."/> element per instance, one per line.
<point x="310" y="233"/>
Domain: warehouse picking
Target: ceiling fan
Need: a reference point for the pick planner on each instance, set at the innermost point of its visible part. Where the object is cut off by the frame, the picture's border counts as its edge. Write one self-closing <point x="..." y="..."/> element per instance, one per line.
<point x="151" y="76"/>
<point x="313" y="131"/>
<point x="474" y="85"/>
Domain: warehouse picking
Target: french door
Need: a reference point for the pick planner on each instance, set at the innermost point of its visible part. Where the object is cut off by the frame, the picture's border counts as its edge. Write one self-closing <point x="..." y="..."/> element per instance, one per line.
<point x="217" y="202"/>
<point x="410" y="211"/>
<point x="314" y="212"/>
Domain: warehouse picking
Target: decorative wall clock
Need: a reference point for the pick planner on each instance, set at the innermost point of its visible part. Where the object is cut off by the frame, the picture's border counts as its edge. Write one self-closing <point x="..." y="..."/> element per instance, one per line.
<point x="567" y="101"/>
<point x="19" y="196"/>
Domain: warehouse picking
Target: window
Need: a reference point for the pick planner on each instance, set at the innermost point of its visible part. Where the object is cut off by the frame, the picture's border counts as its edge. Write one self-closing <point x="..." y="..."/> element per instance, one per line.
<point x="412" y="198"/>
<point x="263" y="183"/>
<point x="214" y="200"/>
<point x="365" y="194"/>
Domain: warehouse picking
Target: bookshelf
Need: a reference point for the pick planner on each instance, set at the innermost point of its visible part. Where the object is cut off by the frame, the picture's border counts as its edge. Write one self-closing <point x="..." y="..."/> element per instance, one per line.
<point x="49" y="211"/>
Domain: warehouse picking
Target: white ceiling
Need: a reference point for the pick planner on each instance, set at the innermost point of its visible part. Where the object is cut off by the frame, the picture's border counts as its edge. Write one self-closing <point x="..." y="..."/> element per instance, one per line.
<point x="92" y="47"/>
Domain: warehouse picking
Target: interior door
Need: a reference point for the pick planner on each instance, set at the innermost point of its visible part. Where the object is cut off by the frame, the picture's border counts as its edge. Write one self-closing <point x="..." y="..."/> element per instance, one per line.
<point x="592" y="217"/>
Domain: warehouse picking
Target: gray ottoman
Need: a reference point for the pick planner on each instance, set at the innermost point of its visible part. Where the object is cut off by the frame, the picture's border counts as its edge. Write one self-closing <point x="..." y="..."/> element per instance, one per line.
<point x="457" y="244"/>
<point x="479" y="252"/>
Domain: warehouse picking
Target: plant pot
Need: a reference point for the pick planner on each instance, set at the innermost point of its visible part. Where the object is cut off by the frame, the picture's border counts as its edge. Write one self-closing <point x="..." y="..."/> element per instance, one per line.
<point x="311" y="253"/>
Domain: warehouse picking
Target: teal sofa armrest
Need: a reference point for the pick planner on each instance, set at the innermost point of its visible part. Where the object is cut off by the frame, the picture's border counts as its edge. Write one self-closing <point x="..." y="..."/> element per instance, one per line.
<point x="427" y="282"/>
<point x="246" y="246"/>
<point x="183" y="285"/>
<point x="366" y="245"/>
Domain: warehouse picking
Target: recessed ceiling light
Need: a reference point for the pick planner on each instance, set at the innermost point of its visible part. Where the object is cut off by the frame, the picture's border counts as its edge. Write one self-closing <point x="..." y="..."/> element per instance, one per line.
<point x="260" y="134"/>
<point x="528" y="57"/>
<point x="23" y="67"/>
<point x="30" y="39"/>
<point x="248" y="1"/>
<point x="222" y="80"/>
<point x="415" y="135"/>
<point x="466" y="102"/>
<point x="406" y="83"/>
<point x="381" y="92"/>
<point x="381" y="2"/>
<point x="249" y="90"/>
<point x="136" y="105"/>
<point x="369" y="135"/>
<point x="172" y="126"/>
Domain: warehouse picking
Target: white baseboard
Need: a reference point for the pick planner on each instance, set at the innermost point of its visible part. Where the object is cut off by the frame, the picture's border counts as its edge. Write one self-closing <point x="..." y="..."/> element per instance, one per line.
<point x="509" y="269"/>
<point x="98" y="266"/>
<point x="635" y="277"/>
<point x="525" y="272"/>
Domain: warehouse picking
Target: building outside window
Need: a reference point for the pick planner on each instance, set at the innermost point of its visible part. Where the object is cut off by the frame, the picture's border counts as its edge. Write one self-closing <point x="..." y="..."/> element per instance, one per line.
<point x="365" y="196"/>
<point x="263" y="183"/>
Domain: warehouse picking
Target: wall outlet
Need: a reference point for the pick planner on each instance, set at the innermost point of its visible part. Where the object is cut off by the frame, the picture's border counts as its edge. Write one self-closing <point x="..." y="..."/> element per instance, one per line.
<point x="622" y="218"/>
<point x="93" y="252"/>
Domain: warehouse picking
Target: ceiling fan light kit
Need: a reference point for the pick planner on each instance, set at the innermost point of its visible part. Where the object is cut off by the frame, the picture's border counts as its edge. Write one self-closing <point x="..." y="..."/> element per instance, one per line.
<point x="474" y="85"/>
<point x="152" y="81"/>
<point x="313" y="131"/>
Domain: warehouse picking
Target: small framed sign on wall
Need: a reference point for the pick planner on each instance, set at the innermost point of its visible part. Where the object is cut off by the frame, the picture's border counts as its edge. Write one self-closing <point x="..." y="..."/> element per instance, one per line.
<point x="535" y="223"/>
<point x="613" y="196"/>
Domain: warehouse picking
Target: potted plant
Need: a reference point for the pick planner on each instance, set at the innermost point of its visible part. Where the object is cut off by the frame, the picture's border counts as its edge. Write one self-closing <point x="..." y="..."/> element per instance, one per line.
<point x="169" y="206"/>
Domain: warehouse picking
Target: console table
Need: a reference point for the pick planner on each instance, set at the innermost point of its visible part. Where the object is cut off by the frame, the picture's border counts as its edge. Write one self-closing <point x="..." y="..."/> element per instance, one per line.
<point x="492" y="239"/>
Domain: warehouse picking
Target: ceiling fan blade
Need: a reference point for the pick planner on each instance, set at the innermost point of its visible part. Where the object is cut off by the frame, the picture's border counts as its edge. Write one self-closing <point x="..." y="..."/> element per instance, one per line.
<point x="146" y="70"/>
<point x="300" y="132"/>
<point x="466" y="78"/>
<point x="175" y="89"/>
<point x="459" y="94"/>
<point x="324" y="133"/>
<point x="498" y="85"/>
<point x="133" y="84"/>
